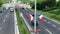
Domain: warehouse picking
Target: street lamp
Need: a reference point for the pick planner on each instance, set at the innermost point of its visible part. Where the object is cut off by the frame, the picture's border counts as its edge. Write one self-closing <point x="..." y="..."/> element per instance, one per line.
<point x="35" y="19"/>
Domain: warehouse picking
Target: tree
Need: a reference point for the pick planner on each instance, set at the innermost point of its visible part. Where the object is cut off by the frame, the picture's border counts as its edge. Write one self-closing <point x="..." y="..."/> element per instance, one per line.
<point x="58" y="4"/>
<point x="39" y="6"/>
<point x="1" y="2"/>
<point x="50" y="3"/>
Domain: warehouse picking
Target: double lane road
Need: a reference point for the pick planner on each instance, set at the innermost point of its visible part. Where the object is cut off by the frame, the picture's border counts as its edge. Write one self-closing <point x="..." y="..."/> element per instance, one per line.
<point x="7" y="22"/>
<point x="46" y="27"/>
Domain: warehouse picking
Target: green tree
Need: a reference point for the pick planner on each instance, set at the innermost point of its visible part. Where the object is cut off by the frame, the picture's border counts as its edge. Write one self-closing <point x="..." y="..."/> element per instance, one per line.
<point x="1" y="2"/>
<point x="50" y="3"/>
<point x="58" y="4"/>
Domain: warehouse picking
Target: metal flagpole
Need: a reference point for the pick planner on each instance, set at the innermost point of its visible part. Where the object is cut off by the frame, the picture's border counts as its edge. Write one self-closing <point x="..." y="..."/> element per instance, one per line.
<point x="35" y="19"/>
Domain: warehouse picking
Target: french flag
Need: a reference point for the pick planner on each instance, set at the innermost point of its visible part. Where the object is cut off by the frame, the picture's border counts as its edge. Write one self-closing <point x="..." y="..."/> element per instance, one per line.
<point x="41" y="17"/>
<point x="30" y="17"/>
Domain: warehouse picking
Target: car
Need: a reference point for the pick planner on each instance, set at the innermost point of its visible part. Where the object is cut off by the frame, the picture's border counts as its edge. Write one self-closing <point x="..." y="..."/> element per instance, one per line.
<point x="11" y="9"/>
<point x="32" y="23"/>
<point x="22" y="7"/>
<point x="4" y="8"/>
<point x="1" y="11"/>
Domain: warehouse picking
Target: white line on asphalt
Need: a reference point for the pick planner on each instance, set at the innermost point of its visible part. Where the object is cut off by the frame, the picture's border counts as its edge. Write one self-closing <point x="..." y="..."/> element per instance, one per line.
<point x="48" y="31"/>
<point x="49" y="22"/>
<point x="6" y="15"/>
<point x="53" y="25"/>
<point x="52" y="20"/>
<point x="4" y="20"/>
<point x="44" y="20"/>
<point x="0" y="28"/>
<point x="21" y="14"/>
<point x="59" y="28"/>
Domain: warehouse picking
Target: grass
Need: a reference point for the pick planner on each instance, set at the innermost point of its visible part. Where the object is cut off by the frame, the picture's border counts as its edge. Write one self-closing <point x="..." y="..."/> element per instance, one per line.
<point x="22" y="27"/>
<point x="52" y="14"/>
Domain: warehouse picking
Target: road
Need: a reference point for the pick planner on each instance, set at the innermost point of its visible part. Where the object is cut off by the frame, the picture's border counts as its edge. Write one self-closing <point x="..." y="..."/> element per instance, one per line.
<point x="46" y="27"/>
<point x="7" y="22"/>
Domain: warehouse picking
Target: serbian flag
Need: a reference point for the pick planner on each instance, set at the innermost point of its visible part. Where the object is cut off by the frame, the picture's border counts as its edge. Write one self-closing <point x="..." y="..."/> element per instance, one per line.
<point x="41" y="17"/>
<point x="30" y="17"/>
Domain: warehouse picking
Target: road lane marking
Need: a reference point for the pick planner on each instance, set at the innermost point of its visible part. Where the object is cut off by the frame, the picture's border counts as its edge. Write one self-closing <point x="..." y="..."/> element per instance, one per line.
<point x="0" y="28"/>
<point x="4" y="20"/>
<point x="54" y="25"/>
<point x="59" y="28"/>
<point x="6" y="15"/>
<point x="48" y="31"/>
<point x="49" y="22"/>
<point x="52" y="20"/>
<point x="44" y="20"/>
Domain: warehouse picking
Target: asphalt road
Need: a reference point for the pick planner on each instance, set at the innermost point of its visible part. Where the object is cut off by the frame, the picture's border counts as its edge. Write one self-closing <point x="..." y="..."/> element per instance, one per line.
<point x="29" y="22"/>
<point x="46" y="27"/>
<point x="51" y="25"/>
<point x="7" y="22"/>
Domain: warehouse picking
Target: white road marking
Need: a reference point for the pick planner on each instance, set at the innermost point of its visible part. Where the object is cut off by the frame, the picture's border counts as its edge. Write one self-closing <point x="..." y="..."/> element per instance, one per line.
<point x="44" y="20"/>
<point x="59" y="28"/>
<point x="54" y="25"/>
<point x="49" y="22"/>
<point x="4" y="20"/>
<point x="52" y="20"/>
<point x="0" y="28"/>
<point x="21" y="14"/>
<point x="6" y="15"/>
<point x="48" y="31"/>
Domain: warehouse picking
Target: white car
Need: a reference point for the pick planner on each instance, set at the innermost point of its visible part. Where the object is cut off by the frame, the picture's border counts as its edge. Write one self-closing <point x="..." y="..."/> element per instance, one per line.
<point x="11" y="9"/>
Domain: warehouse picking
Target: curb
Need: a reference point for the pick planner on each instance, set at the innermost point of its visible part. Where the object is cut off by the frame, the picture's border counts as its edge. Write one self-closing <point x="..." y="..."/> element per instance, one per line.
<point x="29" y="27"/>
<point x="15" y="23"/>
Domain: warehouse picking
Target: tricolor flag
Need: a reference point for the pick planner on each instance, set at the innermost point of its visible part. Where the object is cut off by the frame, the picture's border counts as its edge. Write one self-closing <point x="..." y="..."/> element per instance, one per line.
<point x="41" y="17"/>
<point x="30" y="17"/>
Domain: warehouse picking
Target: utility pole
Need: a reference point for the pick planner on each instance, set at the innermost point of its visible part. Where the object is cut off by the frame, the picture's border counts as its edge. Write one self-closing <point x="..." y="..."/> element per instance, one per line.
<point x="35" y="19"/>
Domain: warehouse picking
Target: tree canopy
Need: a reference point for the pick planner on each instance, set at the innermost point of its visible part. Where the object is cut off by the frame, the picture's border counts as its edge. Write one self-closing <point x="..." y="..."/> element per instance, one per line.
<point x="1" y="2"/>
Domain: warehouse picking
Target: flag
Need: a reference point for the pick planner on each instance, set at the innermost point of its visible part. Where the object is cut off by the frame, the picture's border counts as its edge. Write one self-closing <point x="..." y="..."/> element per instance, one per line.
<point x="30" y="17"/>
<point x="41" y="17"/>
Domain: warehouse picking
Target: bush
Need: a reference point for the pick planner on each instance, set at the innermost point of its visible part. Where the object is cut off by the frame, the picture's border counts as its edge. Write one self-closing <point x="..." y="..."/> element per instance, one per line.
<point x="58" y="4"/>
<point x="49" y="9"/>
<point x="1" y="2"/>
<point x="39" y="6"/>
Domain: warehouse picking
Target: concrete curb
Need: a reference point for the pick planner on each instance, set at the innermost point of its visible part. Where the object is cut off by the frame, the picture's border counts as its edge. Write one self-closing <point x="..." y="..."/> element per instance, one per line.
<point x="29" y="27"/>
<point x="15" y="24"/>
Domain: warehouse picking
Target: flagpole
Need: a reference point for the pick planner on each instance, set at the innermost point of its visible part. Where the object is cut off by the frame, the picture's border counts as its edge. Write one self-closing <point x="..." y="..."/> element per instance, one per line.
<point x="35" y="19"/>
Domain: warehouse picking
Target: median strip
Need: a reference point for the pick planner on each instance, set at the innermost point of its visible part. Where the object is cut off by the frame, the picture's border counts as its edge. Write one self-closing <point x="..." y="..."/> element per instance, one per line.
<point x="21" y="25"/>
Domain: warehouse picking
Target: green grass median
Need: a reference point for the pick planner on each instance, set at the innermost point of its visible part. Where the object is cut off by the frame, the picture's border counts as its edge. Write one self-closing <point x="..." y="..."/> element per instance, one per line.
<point x="22" y="27"/>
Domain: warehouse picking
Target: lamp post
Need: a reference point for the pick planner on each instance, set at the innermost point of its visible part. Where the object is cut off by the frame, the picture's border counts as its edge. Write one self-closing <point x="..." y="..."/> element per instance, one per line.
<point x="35" y="19"/>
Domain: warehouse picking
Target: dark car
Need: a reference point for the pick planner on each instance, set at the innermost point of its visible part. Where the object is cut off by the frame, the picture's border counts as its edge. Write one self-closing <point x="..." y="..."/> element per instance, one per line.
<point x="0" y="11"/>
<point x="32" y="23"/>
